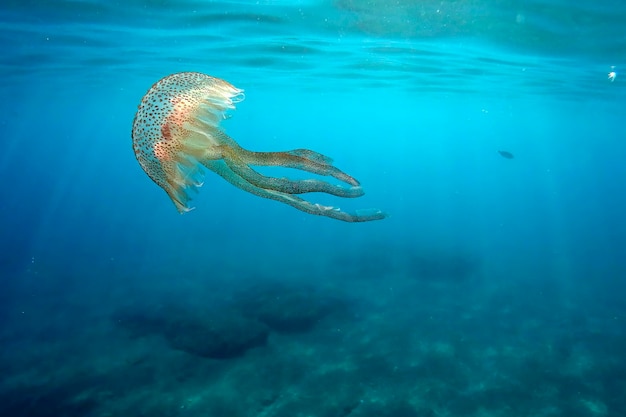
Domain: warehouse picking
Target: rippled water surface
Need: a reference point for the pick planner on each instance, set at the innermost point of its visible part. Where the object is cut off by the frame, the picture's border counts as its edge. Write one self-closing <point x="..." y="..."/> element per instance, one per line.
<point x="512" y="47"/>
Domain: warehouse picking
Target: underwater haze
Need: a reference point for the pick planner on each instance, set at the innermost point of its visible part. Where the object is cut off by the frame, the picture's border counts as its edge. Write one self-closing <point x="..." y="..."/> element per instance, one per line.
<point x="490" y="133"/>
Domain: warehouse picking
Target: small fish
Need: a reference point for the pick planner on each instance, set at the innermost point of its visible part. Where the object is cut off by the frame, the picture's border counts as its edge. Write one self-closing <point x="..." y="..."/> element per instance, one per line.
<point x="505" y="154"/>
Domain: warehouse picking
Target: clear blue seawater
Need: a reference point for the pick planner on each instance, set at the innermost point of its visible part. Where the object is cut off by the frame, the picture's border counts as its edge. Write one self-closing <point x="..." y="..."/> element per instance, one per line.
<point x="494" y="288"/>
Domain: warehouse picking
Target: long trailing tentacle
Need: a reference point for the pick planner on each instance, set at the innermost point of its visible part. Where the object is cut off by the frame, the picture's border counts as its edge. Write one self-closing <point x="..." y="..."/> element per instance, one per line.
<point x="303" y="159"/>
<point x="235" y="163"/>
<point x="222" y="169"/>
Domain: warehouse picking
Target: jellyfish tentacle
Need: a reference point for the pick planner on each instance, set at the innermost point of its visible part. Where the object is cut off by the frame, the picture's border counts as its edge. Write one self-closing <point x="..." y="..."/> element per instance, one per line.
<point x="296" y="160"/>
<point x="313" y="156"/>
<point x="285" y="185"/>
<point x="302" y="159"/>
<point x="221" y="168"/>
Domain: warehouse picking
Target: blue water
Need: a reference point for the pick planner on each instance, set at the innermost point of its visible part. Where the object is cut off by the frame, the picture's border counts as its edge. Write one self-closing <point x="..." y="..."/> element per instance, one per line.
<point x="494" y="288"/>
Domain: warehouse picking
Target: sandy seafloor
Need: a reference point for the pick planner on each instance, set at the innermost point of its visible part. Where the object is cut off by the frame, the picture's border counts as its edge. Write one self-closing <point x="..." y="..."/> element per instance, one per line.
<point x="402" y="334"/>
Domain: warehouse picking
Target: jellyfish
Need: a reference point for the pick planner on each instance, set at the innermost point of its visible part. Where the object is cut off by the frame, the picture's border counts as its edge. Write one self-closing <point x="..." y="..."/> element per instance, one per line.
<point x="177" y="133"/>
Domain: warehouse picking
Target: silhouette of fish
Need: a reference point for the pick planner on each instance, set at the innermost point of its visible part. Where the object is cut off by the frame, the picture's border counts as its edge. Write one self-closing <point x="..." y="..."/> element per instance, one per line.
<point x="507" y="155"/>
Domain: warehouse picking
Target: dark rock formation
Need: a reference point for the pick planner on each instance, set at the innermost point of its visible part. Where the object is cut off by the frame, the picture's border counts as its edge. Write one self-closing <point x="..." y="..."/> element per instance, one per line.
<point x="214" y="334"/>
<point x="287" y="309"/>
<point x="220" y="335"/>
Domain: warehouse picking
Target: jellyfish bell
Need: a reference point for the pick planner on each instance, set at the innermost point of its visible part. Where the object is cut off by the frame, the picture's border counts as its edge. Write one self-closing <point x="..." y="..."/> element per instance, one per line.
<point x="176" y="133"/>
